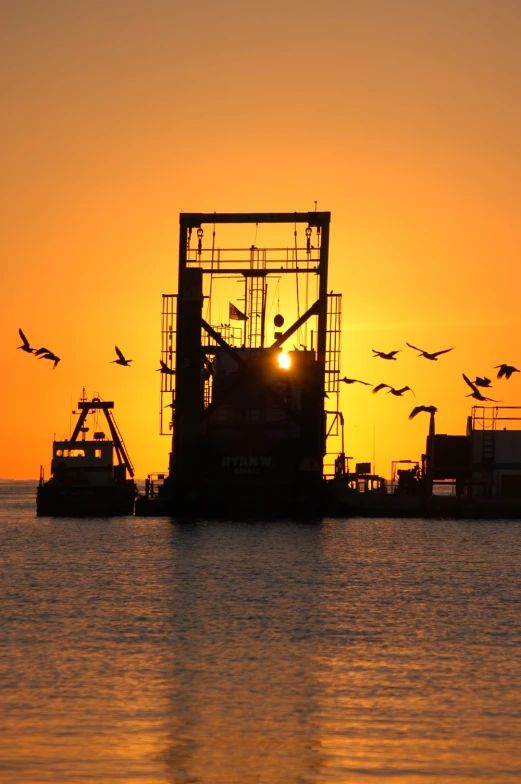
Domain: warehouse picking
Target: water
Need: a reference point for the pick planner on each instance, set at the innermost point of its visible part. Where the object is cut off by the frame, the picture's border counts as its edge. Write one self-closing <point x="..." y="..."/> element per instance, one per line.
<point x="140" y="650"/>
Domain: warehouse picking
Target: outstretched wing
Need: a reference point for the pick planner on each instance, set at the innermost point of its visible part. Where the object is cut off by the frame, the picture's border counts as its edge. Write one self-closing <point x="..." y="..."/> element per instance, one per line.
<point x="417" y="409"/>
<point x="355" y="381"/>
<point x="469" y="382"/>
<point x="24" y="339"/>
<point x="118" y="352"/>
<point x="406" y="389"/>
<point x="415" y="347"/>
<point x="380" y="386"/>
<point x="445" y="350"/>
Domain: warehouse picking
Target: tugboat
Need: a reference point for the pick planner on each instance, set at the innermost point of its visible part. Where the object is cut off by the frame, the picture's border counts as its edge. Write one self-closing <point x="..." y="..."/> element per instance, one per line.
<point x="84" y="481"/>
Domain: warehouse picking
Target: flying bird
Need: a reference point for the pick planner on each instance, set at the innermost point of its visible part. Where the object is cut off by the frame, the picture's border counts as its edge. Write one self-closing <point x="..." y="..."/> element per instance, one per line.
<point x="26" y="346"/>
<point x="121" y="359"/>
<point x="392" y="390"/>
<point x="165" y="369"/>
<point x="482" y="382"/>
<point x="52" y="357"/>
<point x="435" y="354"/>
<point x="355" y="381"/>
<point x="506" y="370"/>
<point x="429" y="409"/>
<point x="476" y="394"/>
<point x="383" y="355"/>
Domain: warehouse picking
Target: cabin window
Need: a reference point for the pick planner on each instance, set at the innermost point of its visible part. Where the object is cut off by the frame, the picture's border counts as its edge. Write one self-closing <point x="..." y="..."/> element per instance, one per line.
<point x="97" y="453"/>
<point x="77" y="453"/>
<point x="59" y="452"/>
<point x="66" y="453"/>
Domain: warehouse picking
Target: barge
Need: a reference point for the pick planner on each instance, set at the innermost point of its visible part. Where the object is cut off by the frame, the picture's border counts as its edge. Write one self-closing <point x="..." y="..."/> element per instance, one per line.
<point x="86" y="480"/>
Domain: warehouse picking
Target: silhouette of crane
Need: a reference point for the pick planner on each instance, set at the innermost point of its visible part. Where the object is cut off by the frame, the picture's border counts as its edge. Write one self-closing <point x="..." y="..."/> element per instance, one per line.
<point x="392" y="390"/>
<point x="433" y="356"/>
<point x="121" y="359"/>
<point x="383" y="355"/>
<point x="26" y="346"/>
<point x="506" y="370"/>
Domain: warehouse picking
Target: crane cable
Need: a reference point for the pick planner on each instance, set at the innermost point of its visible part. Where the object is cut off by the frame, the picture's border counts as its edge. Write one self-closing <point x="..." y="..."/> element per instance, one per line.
<point x="296" y="279"/>
<point x="209" y="308"/>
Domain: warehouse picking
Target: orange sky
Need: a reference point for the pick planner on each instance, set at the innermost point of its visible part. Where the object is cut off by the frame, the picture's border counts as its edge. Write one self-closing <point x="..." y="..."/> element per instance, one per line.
<point x="400" y="117"/>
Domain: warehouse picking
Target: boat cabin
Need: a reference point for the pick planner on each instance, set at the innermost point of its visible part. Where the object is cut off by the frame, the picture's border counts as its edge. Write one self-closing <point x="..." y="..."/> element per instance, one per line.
<point x="84" y="460"/>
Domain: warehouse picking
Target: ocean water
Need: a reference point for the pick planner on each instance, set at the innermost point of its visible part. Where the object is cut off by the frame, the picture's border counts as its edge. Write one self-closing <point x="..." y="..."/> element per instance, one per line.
<point x="359" y="651"/>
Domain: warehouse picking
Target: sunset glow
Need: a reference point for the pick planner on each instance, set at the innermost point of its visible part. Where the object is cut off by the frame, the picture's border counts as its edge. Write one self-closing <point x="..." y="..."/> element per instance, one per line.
<point x="400" y="118"/>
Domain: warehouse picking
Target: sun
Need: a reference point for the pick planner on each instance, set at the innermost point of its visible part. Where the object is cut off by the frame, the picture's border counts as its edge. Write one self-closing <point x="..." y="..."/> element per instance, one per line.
<point x="284" y="360"/>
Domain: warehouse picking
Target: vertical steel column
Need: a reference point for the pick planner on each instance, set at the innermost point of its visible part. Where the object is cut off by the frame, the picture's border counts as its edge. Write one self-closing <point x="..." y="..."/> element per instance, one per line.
<point x="183" y="245"/>
<point x="322" y="326"/>
<point x="189" y="387"/>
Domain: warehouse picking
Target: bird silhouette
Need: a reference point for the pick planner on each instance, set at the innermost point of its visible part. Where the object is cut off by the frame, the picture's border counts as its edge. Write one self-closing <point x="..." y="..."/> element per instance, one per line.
<point x="165" y="369"/>
<point x="121" y="359"/>
<point x="355" y="381"/>
<point x="506" y="370"/>
<point x="476" y="394"/>
<point x="52" y="357"/>
<point x="383" y="355"/>
<point x="482" y="382"/>
<point x="392" y="390"/>
<point x="42" y="350"/>
<point x="26" y="346"/>
<point x="417" y="409"/>
<point x="433" y="356"/>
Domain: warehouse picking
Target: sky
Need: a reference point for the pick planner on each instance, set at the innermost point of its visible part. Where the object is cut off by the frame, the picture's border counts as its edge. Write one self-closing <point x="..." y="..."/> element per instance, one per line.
<point x="401" y="117"/>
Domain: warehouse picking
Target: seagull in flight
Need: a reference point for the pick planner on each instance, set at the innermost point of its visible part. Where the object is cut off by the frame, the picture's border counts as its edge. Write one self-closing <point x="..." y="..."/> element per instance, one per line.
<point x="392" y="390"/>
<point x="165" y="369"/>
<point x="355" y="381"/>
<point x="435" y="354"/>
<point x="506" y="370"/>
<point x="383" y="355"/>
<point x="51" y="356"/>
<point x="429" y="409"/>
<point x="482" y="382"/>
<point x="121" y="359"/>
<point x="26" y="346"/>
<point x="476" y="394"/>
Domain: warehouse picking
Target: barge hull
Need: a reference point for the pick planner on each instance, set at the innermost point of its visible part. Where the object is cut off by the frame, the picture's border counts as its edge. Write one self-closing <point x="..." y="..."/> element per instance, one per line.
<point x="55" y="501"/>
